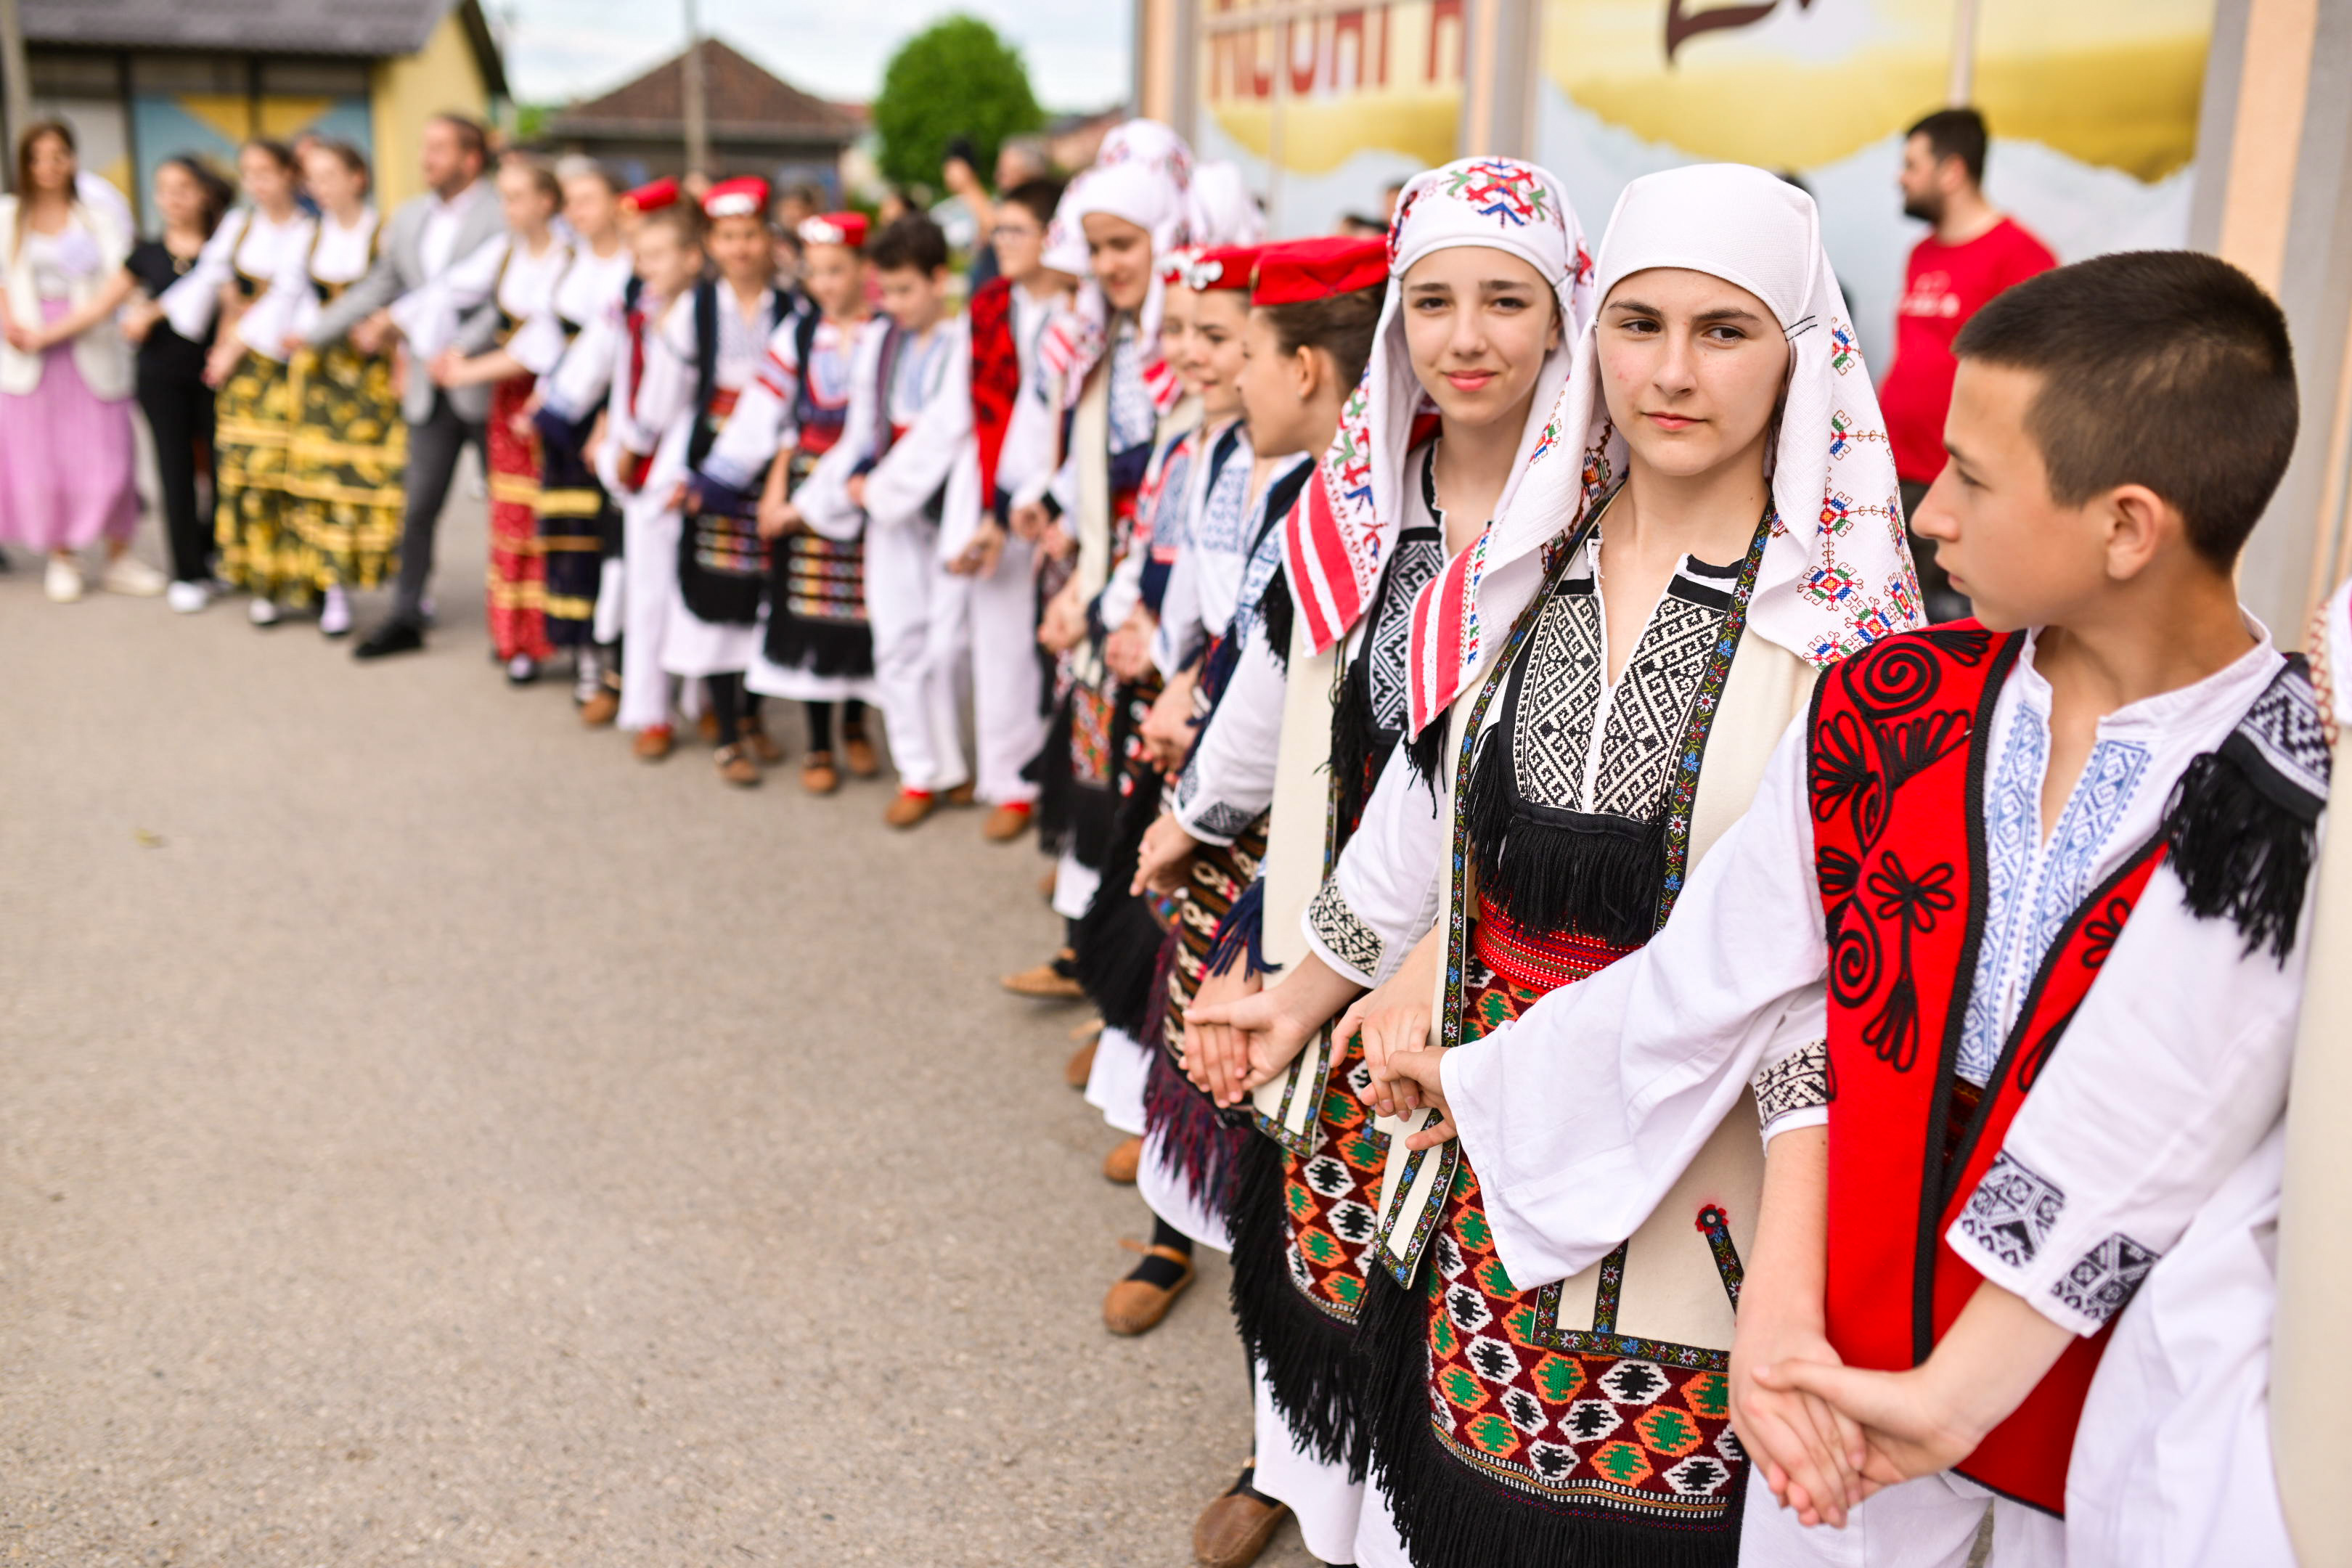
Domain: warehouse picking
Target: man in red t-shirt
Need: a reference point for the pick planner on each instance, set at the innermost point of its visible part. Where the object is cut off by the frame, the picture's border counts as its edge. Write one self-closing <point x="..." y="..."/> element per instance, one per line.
<point x="1974" y="254"/>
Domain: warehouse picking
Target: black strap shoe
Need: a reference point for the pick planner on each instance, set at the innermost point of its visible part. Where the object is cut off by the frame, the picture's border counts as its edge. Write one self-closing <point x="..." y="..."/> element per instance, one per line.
<point x="392" y="637"/>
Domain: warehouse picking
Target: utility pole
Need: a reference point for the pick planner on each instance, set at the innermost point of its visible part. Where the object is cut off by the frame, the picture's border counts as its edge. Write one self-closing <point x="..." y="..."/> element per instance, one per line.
<point x="692" y="86"/>
<point x="16" y="81"/>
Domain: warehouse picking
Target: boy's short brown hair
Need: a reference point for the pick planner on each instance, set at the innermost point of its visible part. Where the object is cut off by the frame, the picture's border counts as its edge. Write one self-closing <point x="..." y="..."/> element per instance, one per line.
<point x="2163" y="368"/>
<point x="683" y="219"/>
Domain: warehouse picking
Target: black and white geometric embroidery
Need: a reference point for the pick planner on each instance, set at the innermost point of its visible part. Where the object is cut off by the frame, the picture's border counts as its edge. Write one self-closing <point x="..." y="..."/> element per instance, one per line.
<point x="1342" y="932"/>
<point x="2286" y="731"/>
<point x="2105" y="1279"/>
<point x="1652" y="706"/>
<point x="1560" y="691"/>
<point x="1223" y="820"/>
<point x="1800" y="1083"/>
<point x="2011" y="1212"/>
<point x="1420" y="556"/>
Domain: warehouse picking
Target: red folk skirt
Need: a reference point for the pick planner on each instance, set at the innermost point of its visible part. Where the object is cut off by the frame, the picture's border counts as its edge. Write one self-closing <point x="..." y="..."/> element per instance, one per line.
<point x="515" y="592"/>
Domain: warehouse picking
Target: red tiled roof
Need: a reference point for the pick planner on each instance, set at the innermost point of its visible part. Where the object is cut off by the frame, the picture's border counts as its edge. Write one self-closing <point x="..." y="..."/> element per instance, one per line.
<point x="745" y="102"/>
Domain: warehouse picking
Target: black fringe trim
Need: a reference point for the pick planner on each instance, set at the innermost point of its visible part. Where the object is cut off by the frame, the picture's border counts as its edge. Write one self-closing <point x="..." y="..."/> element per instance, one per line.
<point x="1360" y="747"/>
<point x="1241" y="936"/>
<point x="821" y="647"/>
<point x="2239" y="852"/>
<point x="1427" y="753"/>
<point x="1552" y="871"/>
<point x="1451" y="1517"/>
<point x="1275" y="610"/>
<point x="1153" y="1035"/>
<point x="1312" y="1371"/>
<point x="1117" y="939"/>
<point x="1198" y="1145"/>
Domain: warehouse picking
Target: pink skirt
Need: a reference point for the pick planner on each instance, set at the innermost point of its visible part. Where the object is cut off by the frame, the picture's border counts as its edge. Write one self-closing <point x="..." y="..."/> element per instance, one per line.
<point x="66" y="459"/>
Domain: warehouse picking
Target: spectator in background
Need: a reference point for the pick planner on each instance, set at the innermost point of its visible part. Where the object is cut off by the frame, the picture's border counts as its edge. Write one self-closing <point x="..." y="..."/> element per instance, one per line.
<point x="66" y="446"/>
<point x="1362" y="225"/>
<point x="895" y="205"/>
<point x="171" y="390"/>
<point x="1974" y="253"/>
<point x="1019" y="161"/>
<point x="795" y="205"/>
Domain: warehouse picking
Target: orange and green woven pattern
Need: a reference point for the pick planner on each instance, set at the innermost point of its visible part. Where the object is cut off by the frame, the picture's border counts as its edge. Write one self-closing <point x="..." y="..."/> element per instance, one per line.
<point x="1331" y="1198"/>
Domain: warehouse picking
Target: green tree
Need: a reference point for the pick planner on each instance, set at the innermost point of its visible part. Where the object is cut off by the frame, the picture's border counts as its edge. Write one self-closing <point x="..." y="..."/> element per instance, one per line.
<point x="956" y="77"/>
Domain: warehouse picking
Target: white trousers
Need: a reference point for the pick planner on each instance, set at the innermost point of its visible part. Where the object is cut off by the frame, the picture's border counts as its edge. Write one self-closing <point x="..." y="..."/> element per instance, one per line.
<point x="917" y="674"/>
<point x="1931" y="1523"/>
<point x="1074" y="886"/>
<point x="649" y="542"/>
<point x="1007" y="683"/>
<point x="1329" y="1506"/>
<point x="1115" y="1084"/>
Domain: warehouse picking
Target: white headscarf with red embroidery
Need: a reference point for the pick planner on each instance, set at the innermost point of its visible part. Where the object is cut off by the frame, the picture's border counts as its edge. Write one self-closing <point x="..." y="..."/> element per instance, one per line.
<point x="1339" y="536"/>
<point x="1143" y="175"/>
<point x="1836" y="574"/>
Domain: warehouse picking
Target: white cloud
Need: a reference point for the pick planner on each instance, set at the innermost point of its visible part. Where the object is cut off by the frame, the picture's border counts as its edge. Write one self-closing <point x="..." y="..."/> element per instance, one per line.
<point x="560" y="49"/>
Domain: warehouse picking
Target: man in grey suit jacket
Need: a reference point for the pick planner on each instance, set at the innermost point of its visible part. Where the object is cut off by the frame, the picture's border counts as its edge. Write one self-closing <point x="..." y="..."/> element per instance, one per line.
<point x="423" y="238"/>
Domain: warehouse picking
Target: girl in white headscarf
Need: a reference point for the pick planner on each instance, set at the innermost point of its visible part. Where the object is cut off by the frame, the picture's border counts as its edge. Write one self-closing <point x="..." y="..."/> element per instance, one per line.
<point x="1708" y="518"/>
<point x="1489" y="290"/>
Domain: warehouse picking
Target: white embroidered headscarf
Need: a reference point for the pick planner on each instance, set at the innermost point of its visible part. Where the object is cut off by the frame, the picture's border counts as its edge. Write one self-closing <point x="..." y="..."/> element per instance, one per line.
<point x="1836" y="574"/>
<point x="1336" y="541"/>
<point x="1219" y="209"/>
<point x="1143" y="174"/>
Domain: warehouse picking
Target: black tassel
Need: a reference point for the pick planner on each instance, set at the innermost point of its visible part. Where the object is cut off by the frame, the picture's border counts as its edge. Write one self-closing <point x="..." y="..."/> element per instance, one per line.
<point x="1117" y="939"/>
<point x="1277" y="612"/>
<point x="1154" y="1033"/>
<point x="1427" y="754"/>
<point x="1308" y="1358"/>
<point x="2240" y="852"/>
<point x="1451" y="1517"/>
<point x="1552" y="871"/>
<point x="1241" y="936"/>
<point x="1198" y="1144"/>
<point x="1359" y="748"/>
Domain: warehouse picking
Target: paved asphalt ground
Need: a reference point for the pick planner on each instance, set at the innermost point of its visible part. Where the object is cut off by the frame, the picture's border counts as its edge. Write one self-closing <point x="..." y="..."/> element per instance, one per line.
<point x="429" y="1136"/>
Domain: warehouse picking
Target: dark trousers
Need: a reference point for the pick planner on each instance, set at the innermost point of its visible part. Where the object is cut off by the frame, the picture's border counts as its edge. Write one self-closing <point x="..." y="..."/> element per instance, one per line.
<point x="178" y="411"/>
<point x="1942" y="601"/>
<point x="433" y="447"/>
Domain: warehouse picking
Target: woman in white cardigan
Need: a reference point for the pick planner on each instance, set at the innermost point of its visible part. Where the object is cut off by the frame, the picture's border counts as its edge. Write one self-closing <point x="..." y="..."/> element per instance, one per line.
<point x="66" y="451"/>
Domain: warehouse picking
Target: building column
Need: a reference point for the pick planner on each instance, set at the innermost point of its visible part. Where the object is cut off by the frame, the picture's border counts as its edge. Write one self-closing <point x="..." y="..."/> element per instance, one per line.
<point x="1499" y="59"/>
<point x="1167" y="62"/>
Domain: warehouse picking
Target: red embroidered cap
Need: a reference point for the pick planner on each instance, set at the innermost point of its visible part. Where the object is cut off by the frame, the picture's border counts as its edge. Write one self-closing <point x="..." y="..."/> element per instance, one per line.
<point x="1298" y="270"/>
<point x="835" y="228"/>
<point x="653" y="196"/>
<point x="746" y="197"/>
<point x="1221" y="266"/>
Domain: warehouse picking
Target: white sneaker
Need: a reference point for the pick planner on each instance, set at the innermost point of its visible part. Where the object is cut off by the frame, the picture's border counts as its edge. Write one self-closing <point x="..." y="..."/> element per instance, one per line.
<point x="261" y="612"/>
<point x="335" y="614"/>
<point x="187" y="598"/>
<point x="129" y="574"/>
<point x="62" y="581"/>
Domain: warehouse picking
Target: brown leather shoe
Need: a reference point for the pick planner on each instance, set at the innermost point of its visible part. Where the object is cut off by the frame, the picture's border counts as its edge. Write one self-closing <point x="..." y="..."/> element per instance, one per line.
<point x="911" y="806"/>
<point x="818" y="775"/>
<point x="858" y="751"/>
<point x="1048" y="982"/>
<point x="736" y="766"/>
<point x="1045" y="887"/>
<point x="653" y="742"/>
<point x="707" y="726"/>
<point x="1136" y="1306"/>
<point x="1234" y="1529"/>
<point x="1121" y="1163"/>
<point x="600" y="710"/>
<point x="759" y="742"/>
<point x="960" y="795"/>
<point x="1007" y="822"/>
<point x="1081" y="1064"/>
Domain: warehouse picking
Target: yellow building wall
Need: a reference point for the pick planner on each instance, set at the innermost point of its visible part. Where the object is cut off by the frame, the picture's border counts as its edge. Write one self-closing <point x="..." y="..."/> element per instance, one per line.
<point x="441" y="78"/>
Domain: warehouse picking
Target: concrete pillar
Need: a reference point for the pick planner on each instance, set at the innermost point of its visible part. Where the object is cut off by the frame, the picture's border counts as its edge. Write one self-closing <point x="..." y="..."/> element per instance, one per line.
<point x="1500" y="60"/>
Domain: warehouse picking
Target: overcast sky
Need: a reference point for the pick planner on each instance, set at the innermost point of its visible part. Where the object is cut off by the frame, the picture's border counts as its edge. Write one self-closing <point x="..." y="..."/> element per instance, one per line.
<point x="560" y="49"/>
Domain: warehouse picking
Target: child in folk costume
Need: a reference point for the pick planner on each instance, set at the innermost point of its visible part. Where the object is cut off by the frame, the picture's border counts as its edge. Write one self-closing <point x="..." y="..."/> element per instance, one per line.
<point x="1708" y="517"/>
<point x="707" y="351"/>
<point x="992" y="602"/>
<point x="577" y="521"/>
<point x="1489" y="291"/>
<point x="818" y="649"/>
<point x="1314" y="304"/>
<point x="1114" y="391"/>
<point x="347" y="451"/>
<point x="519" y="273"/>
<point x="253" y="412"/>
<point x="578" y="413"/>
<point x="886" y="481"/>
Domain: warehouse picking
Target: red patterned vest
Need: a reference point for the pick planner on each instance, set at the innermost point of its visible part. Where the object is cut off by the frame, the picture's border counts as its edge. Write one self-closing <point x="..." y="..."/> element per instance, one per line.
<point x="1898" y="754"/>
